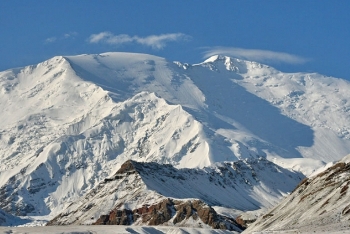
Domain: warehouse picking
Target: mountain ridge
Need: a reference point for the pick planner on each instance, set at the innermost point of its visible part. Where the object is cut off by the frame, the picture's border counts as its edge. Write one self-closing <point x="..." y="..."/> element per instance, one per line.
<point x="71" y="121"/>
<point x="239" y="185"/>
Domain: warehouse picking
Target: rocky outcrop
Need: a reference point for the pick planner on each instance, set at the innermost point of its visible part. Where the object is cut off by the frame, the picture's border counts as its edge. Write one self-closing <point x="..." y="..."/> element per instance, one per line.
<point x="116" y="217"/>
<point x="170" y="212"/>
<point x="244" y="222"/>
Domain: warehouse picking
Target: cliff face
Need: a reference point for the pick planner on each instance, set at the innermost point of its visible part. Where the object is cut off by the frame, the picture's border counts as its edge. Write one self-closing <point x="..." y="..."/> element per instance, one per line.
<point x="194" y="213"/>
<point x="320" y="201"/>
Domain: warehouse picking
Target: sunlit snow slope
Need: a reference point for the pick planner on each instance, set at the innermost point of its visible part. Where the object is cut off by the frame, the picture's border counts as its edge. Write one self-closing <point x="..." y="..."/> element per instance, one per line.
<point x="69" y="122"/>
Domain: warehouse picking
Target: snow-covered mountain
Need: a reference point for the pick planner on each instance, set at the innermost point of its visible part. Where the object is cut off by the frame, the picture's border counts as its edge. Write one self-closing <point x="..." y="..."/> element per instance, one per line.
<point x="69" y="122"/>
<point x="318" y="203"/>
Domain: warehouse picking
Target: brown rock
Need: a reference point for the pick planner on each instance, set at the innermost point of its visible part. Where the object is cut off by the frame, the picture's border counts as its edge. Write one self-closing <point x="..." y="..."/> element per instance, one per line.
<point x="126" y="167"/>
<point x="162" y="212"/>
<point x="158" y="213"/>
<point x="244" y="222"/>
<point x="116" y="217"/>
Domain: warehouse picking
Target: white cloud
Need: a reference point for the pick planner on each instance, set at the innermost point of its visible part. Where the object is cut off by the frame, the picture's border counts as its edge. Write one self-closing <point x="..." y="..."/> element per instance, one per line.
<point x="154" y="41"/>
<point x="264" y="56"/>
<point x="159" y="41"/>
<point x="63" y="37"/>
<point x="95" y="38"/>
<point x="50" y="39"/>
<point x="70" y="35"/>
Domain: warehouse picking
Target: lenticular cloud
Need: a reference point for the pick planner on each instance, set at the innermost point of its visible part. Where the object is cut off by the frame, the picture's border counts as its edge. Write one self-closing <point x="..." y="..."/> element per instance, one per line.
<point x="255" y="55"/>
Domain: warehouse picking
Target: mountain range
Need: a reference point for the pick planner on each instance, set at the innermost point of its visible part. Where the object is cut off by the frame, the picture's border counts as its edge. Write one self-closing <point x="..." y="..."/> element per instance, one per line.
<point x="71" y="122"/>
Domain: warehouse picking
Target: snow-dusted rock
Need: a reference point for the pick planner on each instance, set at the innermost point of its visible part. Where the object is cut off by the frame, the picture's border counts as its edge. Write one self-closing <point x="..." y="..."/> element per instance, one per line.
<point x="155" y="194"/>
<point x="317" y="203"/>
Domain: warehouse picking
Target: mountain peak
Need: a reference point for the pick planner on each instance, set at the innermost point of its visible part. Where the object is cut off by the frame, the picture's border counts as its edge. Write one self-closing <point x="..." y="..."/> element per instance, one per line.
<point x="239" y="66"/>
<point x="127" y="167"/>
<point x="215" y="58"/>
<point x="224" y="59"/>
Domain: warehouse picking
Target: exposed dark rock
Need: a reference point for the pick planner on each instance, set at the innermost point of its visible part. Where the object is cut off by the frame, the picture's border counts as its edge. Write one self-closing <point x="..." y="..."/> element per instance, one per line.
<point x="163" y="212"/>
<point x="126" y="167"/>
<point x="156" y="214"/>
<point x="116" y="217"/>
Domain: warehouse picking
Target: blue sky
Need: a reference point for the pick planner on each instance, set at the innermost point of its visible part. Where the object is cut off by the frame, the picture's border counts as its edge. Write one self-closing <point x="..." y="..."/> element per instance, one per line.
<point x="296" y="35"/>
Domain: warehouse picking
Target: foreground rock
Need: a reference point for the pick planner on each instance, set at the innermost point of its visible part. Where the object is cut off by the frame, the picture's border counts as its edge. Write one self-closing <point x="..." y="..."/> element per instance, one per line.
<point x="170" y="212"/>
<point x="154" y="194"/>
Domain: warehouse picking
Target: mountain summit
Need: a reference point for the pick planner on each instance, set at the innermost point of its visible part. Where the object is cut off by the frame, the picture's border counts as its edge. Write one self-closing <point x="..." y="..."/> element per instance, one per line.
<point x="70" y="122"/>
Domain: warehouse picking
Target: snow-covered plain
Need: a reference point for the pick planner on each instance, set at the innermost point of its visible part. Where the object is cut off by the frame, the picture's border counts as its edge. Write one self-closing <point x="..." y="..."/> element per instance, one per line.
<point x="69" y="122"/>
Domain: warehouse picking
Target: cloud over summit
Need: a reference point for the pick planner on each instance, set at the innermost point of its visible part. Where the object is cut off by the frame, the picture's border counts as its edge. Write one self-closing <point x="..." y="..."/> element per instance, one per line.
<point x="255" y="55"/>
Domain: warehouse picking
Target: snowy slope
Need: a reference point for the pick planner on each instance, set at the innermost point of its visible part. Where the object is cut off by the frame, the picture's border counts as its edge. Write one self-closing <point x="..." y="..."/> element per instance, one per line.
<point x="318" y="203"/>
<point x="69" y="122"/>
<point x="317" y="107"/>
<point x="75" y="162"/>
<point x="241" y="103"/>
<point x="10" y="220"/>
<point x="312" y="99"/>
<point x="63" y="134"/>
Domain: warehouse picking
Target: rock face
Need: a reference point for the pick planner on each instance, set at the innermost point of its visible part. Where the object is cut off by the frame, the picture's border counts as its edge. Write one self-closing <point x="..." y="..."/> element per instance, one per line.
<point x="153" y="194"/>
<point x="244" y="222"/>
<point x="171" y="212"/>
<point x="320" y="201"/>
